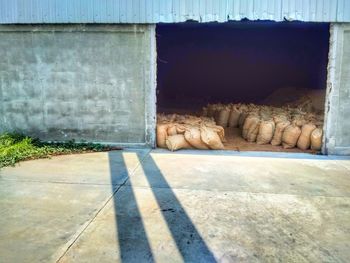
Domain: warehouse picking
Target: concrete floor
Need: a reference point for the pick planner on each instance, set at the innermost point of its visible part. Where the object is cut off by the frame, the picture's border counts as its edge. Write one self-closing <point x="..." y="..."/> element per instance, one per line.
<point x="192" y="206"/>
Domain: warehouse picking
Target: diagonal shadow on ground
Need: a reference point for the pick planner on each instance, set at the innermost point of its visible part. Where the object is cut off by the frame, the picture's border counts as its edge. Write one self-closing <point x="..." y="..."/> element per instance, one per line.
<point x="189" y="242"/>
<point x="133" y="245"/>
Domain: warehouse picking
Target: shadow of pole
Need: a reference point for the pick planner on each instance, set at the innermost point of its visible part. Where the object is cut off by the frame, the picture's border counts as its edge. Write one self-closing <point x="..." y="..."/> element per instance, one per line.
<point x="189" y="242"/>
<point x="132" y="238"/>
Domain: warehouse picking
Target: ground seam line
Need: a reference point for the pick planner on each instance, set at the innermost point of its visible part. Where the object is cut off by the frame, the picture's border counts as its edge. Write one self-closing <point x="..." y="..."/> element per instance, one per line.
<point x="53" y="182"/>
<point x="99" y="211"/>
<point x="86" y="225"/>
<point x="234" y="191"/>
<point x="342" y="165"/>
<point x="300" y="230"/>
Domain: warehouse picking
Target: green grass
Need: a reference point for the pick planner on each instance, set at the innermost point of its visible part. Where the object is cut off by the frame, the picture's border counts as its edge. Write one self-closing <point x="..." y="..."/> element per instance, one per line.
<point x="17" y="147"/>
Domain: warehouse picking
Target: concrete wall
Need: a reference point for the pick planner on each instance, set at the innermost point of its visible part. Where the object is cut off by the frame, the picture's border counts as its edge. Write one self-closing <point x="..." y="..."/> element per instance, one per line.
<point x="337" y="121"/>
<point x="94" y="83"/>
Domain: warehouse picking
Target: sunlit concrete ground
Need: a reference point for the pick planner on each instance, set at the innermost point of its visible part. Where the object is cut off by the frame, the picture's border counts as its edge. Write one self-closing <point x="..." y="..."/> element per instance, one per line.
<point x="187" y="206"/>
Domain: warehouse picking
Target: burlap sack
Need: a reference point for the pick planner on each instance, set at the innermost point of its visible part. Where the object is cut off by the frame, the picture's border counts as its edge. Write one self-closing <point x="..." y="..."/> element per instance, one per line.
<point x="277" y="136"/>
<point x="207" y="120"/>
<point x="316" y="139"/>
<point x="266" y="132"/>
<point x="223" y="115"/>
<point x="193" y="137"/>
<point x="218" y="129"/>
<point x="299" y="120"/>
<point x="265" y="114"/>
<point x="180" y="129"/>
<point x="211" y="138"/>
<point x="176" y="142"/>
<point x="172" y="129"/>
<point x="162" y="134"/>
<point x="242" y="118"/>
<point x="210" y="110"/>
<point x="217" y="111"/>
<point x="188" y="119"/>
<point x="234" y="117"/>
<point x="162" y="118"/>
<point x="221" y="132"/>
<point x="249" y="125"/>
<point x="304" y="140"/>
<point x="290" y="136"/>
<point x="280" y="118"/>
<point x="253" y="132"/>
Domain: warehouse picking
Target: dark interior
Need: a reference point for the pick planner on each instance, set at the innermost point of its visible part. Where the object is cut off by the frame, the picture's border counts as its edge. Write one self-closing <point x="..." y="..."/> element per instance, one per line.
<point x="237" y="61"/>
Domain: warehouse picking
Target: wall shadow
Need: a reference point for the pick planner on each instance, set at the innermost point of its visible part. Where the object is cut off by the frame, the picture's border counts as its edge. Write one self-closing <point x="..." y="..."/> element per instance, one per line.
<point x="134" y="245"/>
<point x="133" y="242"/>
<point x="188" y="240"/>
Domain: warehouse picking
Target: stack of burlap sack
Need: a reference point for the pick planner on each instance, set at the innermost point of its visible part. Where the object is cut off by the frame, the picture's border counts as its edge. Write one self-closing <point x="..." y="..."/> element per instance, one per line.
<point x="185" y="131"/>
<point x="286" y="126"/>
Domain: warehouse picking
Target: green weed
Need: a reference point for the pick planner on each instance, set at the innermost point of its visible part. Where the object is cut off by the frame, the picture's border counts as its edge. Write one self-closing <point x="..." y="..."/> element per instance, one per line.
<point x="17" y="147"/>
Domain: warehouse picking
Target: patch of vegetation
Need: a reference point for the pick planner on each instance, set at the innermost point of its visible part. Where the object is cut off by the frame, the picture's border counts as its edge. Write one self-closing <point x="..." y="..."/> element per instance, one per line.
<point x="17" y="147"/>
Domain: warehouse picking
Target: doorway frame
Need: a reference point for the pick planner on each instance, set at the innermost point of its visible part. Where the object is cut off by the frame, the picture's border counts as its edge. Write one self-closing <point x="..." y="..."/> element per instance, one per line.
<point x="336" y="87"/>
<point x="333" y="86"/>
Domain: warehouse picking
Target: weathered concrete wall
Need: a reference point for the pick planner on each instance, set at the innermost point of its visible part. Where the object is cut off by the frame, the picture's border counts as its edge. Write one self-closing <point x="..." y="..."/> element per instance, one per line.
<point x="94" y="83"/>
<point x="337" y="122"/>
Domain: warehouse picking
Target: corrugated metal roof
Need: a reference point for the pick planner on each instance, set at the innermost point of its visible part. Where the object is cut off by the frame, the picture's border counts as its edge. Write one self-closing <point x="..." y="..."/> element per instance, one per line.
<point x="170" y="11"/>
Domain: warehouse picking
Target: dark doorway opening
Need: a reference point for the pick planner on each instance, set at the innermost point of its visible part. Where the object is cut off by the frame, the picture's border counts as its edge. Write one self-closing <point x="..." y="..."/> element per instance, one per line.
<point x="270" y="63"/>
<point x="238" y="62"/>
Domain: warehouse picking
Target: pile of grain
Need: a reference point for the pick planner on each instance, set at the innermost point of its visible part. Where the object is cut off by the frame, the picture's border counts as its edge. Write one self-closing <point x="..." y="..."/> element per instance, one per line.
<point x="186" y="131"/>
<point x="310" y="100"/>
<point x="287" y="126"/>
